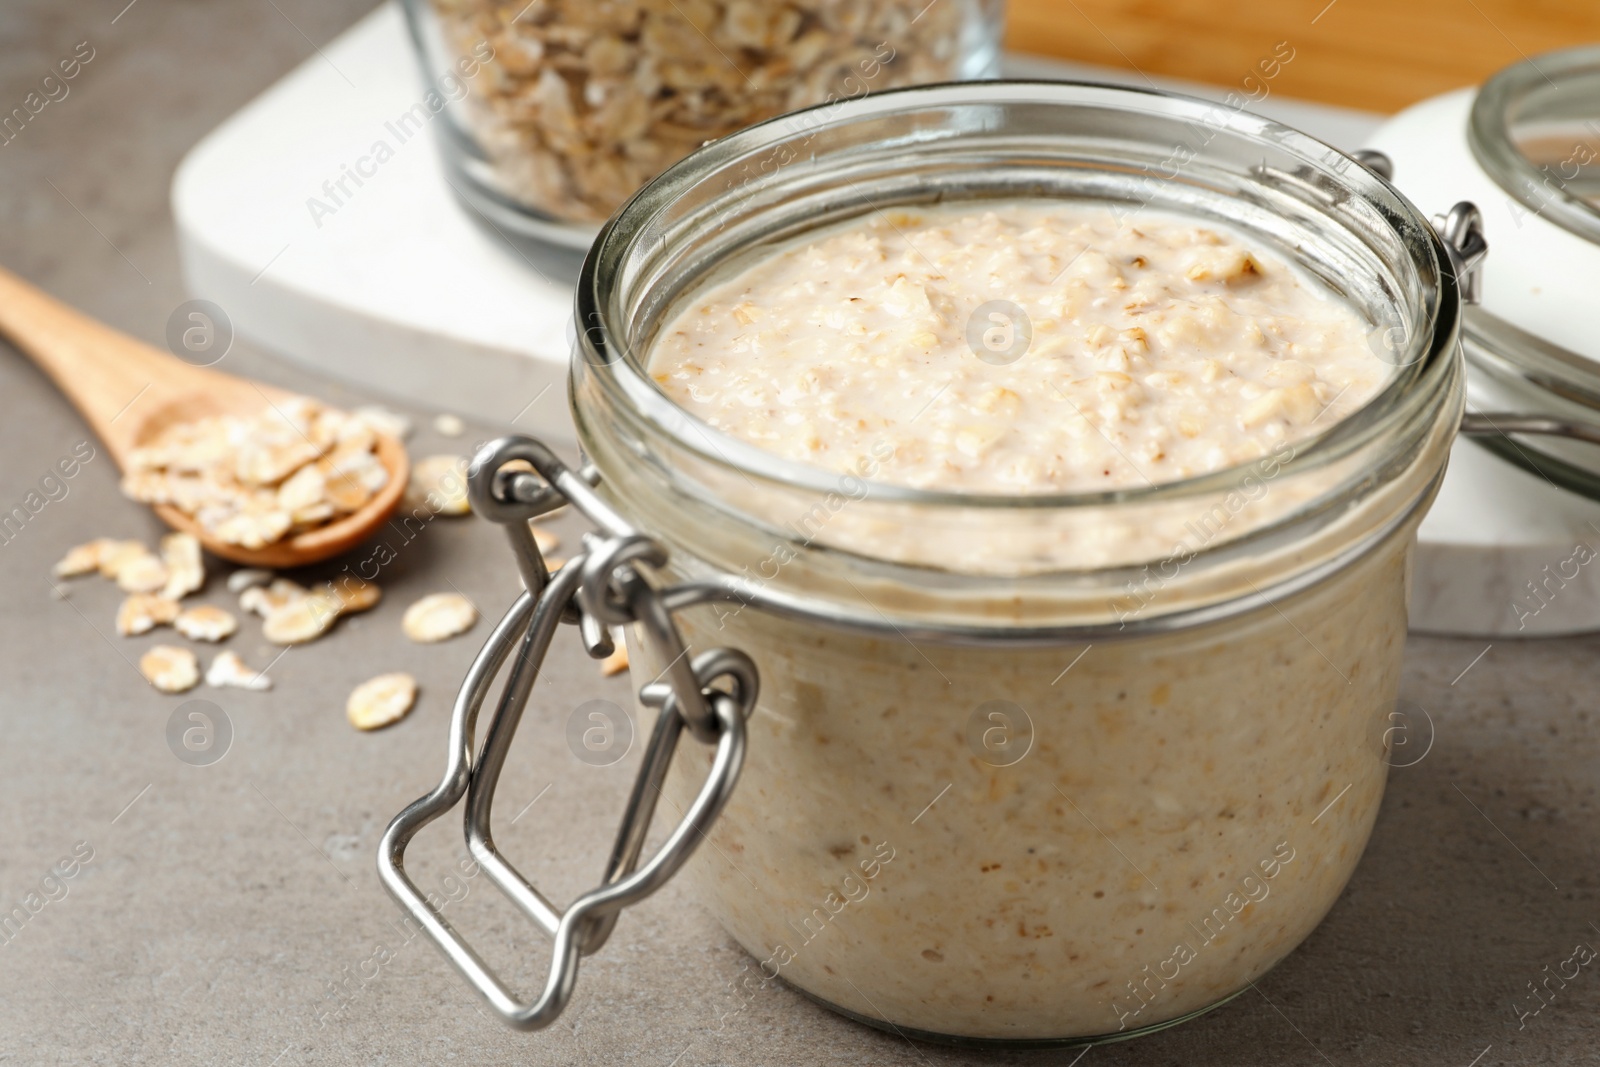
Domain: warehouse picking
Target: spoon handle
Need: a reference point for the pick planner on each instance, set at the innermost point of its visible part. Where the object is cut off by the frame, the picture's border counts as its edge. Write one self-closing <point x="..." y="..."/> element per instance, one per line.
<point x="103" y="372"/>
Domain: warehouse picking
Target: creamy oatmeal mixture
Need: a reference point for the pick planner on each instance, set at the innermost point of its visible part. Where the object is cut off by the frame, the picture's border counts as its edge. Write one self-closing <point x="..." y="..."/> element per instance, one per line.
<point x="1020" y="347"/>
<point x="1151" y="822"/>
<point x="1181" y="811"/>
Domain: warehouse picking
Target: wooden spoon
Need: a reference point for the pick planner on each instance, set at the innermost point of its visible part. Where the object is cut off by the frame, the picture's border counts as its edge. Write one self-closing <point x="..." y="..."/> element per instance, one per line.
<point x="129" y="392"/>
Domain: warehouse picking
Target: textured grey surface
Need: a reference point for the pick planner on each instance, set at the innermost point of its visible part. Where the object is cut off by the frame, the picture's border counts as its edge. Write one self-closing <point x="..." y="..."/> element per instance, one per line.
<point x="231" y="913"/>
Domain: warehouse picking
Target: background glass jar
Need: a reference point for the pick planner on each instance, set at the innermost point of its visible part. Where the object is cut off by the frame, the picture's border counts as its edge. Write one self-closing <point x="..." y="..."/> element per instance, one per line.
<point x="1534" y="129"/>
<point x="580" y="102"/>
<point x="1044" y="768"/>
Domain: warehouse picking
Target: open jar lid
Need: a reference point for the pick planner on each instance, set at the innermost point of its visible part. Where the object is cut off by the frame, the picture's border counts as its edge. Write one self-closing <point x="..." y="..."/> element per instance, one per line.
<point x="1525" y="147"/>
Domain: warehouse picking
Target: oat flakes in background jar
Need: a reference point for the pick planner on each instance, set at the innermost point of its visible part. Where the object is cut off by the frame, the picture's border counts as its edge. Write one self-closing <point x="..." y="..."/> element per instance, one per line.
<point x="580" y="102"/>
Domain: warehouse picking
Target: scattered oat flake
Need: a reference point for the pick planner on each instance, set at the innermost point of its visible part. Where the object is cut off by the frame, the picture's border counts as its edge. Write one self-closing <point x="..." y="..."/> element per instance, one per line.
<point x="438" y="616"/>
<point x="382" y="700"/>
<point x="228" y="671"/>
<point x="264" y="600"/>
<point x="617" y="662"/>
<point x="440" y="482"/>
<point x="114" y="555"/>
<point x="142" y="574"/>
<point x="180" y="554"/>
<point x="248" y="578"/>
<point x="81" y="559"/>
<point x="304" y="620"/>
<point x="170" y="669"/>
<point x="143" y="612"/>
<point x="205" y="623"/>
<point x="354" y="594"/>
<point x="449" y="425"/>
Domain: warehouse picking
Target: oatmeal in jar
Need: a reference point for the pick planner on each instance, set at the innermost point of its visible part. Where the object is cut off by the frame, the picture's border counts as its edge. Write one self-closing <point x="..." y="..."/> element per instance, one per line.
<point x="1148" y="833"/>
<point x="1079" y="841"/>
<point x="1020" y="347"/>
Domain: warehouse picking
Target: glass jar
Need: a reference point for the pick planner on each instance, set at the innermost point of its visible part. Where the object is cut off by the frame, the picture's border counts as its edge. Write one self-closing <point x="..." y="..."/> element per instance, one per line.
<point x="1033" y="769"/>
<point x="572" y="106"/>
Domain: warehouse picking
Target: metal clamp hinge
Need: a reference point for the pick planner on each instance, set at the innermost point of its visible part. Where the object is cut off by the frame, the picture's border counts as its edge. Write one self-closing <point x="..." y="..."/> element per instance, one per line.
<point x="710" y="695"/>
<point x="1461" y="229"/>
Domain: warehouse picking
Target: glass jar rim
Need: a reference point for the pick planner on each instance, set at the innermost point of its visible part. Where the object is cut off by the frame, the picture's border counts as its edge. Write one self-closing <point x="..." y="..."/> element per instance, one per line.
<point x="1429" y="338"/>
<point x="1033" y="567"/>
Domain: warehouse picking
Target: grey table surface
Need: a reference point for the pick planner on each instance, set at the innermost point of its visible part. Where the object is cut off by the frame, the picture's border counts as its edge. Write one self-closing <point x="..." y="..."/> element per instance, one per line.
<point x="230" y="913"/>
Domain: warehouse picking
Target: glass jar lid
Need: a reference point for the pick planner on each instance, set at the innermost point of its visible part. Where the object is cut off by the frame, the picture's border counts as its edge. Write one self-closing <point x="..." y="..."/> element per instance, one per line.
<point x="1525" y="148"/>
<point x="1535" y="128"/>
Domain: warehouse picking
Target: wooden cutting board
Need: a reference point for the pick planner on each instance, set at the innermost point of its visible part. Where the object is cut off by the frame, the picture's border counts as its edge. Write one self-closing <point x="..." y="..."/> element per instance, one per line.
<point x="1374" y="54"/>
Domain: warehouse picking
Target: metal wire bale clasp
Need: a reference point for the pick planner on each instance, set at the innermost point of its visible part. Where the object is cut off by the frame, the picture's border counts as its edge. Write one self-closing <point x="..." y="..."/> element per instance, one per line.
<point x="710" y="695"/>
<point x="1461" y="229"/>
